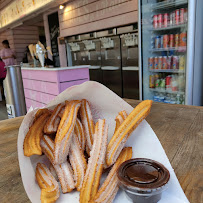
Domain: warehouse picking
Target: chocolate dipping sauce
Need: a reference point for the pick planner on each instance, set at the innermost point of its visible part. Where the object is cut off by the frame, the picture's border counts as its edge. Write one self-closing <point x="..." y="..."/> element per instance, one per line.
<point x="143" y="180"/>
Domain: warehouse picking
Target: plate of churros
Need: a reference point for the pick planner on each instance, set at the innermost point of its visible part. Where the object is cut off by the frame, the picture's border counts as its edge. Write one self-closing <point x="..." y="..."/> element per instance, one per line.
<point x="70" y="150"/>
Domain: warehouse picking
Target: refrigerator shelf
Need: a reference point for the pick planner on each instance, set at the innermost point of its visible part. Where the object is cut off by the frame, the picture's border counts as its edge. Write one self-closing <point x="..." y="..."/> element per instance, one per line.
<point x="166" y="71"/>
<point x="167" y="91"/>
<point x="178" y="49"/>
<point x="167" y="5"/>
<point x="169" y="28"/>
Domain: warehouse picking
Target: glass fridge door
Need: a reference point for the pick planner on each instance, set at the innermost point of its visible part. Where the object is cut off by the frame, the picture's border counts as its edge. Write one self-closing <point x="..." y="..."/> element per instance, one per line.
<point x="163" y="41"/>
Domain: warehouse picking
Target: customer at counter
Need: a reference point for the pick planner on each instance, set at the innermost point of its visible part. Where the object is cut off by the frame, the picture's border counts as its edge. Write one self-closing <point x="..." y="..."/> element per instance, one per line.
<point x="7" y="54"/>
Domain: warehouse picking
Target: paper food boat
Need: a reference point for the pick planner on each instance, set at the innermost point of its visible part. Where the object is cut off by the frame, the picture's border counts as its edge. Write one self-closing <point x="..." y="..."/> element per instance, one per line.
<point x="104" y="104"/>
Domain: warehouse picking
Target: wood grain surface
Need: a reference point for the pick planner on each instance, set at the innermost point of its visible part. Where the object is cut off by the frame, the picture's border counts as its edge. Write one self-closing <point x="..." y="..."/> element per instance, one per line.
<point x="178" y="127"/>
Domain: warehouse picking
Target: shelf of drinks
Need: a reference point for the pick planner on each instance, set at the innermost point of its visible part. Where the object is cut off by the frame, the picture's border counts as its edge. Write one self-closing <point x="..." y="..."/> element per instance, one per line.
<point x="168" y="4"/>
<point x="166" y="71"/>
<point x="184" y="25"/>
<point x="178" y="49"/>
<point x="166" y="91"/>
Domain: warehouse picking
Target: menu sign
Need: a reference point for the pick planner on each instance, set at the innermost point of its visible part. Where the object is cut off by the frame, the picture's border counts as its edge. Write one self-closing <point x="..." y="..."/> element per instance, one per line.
<point x="54" y="34"/>
<point x="18" y="9"/>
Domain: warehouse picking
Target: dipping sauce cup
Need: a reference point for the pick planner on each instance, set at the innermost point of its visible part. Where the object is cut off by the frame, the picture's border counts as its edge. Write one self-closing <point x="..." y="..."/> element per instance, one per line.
<point x="143" y="180"/>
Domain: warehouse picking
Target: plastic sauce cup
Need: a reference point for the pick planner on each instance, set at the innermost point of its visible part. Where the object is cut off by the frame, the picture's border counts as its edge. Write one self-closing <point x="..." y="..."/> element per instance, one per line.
<point x="143" y="180"/>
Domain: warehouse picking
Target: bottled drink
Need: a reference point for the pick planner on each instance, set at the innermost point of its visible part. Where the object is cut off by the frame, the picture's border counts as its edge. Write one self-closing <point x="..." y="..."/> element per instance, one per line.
<point x="156" y="97"/>
<point x="161" y="97"/>
<point x="174" y="85"/>
<point x="178" y="100"/>
<point x="173" y="100"/>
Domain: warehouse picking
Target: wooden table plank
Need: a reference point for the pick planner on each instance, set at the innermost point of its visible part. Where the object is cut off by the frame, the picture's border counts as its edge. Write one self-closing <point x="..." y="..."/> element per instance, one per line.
<point x="178" y="127"/>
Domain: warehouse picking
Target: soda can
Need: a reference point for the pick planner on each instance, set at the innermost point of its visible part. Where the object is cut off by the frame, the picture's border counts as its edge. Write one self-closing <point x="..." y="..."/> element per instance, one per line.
<point x="169" y="62"/>
<point x="155" y="21"/>
<point x="171" y="41"/>
<point x="172" y="18"/>
<point x="183" y="39"/>
<point x="182" y="62"/>
<point x="162" y="41"/>
<point x="155" y="62"/>
<point x="175" y="62"/>
<point x="185" y="15"/>
<point x="165" y="41"/>
<point x="160" y="20"/>
<point x="151" y="63"/>
<point x="157" y="42"/>
<point x="151" y="81"/>
<point x="176" y="40"/>
<point x="152" y="42"/>
<point x="160" y="62"/>
<point x="182" y="11"/>
<point x="166" y="20"/>
<point x="164" y="63"/>
<point x="168" y="82"/>
<point x="177" y="16"/>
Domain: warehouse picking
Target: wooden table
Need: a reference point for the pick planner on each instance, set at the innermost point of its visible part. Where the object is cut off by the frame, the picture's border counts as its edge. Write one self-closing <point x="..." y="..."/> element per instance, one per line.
<point x="179" y="129"/>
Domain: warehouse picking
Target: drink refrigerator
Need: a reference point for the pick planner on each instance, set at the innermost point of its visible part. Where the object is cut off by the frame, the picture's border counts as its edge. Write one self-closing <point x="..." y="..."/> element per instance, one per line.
<point x="171" y="51"/>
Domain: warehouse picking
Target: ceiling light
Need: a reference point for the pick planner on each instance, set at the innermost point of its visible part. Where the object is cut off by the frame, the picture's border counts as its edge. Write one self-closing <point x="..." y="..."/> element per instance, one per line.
<point x="61" y="7"/>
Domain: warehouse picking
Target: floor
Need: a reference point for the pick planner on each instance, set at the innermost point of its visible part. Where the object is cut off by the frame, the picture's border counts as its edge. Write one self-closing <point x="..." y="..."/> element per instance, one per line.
<point x="3" y="112"/>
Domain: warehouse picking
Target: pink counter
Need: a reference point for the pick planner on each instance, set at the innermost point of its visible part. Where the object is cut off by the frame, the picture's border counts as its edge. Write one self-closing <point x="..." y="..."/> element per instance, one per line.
<point x="41" y="85"/>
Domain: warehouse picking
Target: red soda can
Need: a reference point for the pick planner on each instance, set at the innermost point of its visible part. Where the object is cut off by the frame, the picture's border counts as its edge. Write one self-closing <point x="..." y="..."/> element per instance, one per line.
<point x="164" y="63"/>
<point x="166" y="20"/>
<point x="168" y="82"/>
<point x="177" y="16"/>
<point x="176" y="40"/>
<point x="171" y="41"/>
<point x="160" y="62"/>
<point x="155" y="62"/>
<point x="165" y="41"/>
<point x="169" y="62"/>
<point x="175" y="62"/>
<point x="151" y="63"/>
<point x="160" y="20"/>
<point x="155" y="21"/>
<point x="182" y="11"/>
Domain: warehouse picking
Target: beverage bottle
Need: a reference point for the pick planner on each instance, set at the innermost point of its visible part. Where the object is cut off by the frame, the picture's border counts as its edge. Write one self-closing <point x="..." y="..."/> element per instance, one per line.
<point x="167" y="99"/>
<point x="174" y="85"/>
<point x="181" y="83"/>
<point x="178" y="99"/>
<point x="173" y="100"/>
<point x="161" y="97"/>
<point x="156" y="97"/>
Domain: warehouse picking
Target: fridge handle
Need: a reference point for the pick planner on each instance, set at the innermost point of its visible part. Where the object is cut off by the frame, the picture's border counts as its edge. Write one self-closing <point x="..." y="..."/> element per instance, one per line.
<point x="140" y="49"/>
<point x="190" y="52"/>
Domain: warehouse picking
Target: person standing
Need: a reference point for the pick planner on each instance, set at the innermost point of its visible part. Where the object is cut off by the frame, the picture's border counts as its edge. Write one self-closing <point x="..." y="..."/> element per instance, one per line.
<point x="7" y="55"/>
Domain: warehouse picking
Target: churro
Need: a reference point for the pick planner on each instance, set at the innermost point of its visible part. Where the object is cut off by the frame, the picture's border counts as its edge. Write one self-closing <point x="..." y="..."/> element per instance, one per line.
<point x="123" y="132"/>
<point x="109" y="188"/>
<point x="88" y="124"/>
<point x="78" y="162"/>
<point x="95" y="163"/>
<point x="63" y="171"/>
<point x="32" y="139"/>
<point x="51" y="125"/>
<point x="40" y="112"/>
<point x="65" y="131"/>
<point x="49" y="186"/>
<point x="79" y="132"/>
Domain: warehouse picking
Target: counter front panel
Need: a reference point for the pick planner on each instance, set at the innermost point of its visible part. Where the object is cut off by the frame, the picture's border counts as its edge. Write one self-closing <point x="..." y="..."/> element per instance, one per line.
<point x="41" y="85"/>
